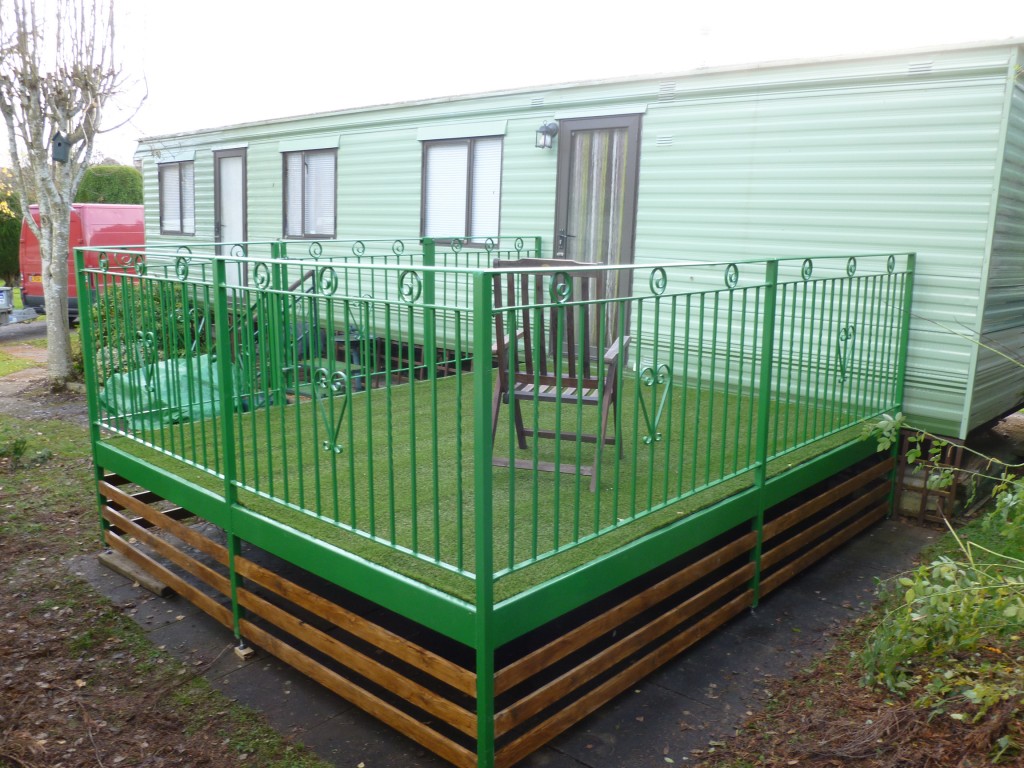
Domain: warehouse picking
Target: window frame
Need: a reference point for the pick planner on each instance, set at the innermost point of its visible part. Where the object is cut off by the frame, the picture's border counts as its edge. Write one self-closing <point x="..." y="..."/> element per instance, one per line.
<point x="470" y="142"/>
<point x="181" y="231"/>
<point x="332" y="152"/>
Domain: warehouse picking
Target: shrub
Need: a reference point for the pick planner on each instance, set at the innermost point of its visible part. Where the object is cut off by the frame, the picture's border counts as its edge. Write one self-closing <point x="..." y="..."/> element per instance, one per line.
<point x="136" y="323"/>
<point x="953" y="629"/>
<point x="110" y="184"/>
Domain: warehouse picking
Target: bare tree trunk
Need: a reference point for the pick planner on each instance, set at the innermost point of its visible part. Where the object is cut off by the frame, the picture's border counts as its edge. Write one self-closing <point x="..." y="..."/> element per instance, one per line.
<point x="56" y="73"/>
<point x="55" y="292"/>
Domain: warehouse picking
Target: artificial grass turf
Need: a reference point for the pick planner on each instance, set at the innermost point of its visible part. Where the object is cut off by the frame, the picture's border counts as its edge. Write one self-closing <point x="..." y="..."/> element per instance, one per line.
<point x="407" y="479"/>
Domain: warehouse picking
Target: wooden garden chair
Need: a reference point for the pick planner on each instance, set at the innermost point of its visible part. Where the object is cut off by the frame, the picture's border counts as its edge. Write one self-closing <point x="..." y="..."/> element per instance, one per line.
<point x="546" y="324"/>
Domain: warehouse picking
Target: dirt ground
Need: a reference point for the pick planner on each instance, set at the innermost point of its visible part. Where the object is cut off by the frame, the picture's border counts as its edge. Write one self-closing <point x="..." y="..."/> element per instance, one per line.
<point x="80" y="686"/>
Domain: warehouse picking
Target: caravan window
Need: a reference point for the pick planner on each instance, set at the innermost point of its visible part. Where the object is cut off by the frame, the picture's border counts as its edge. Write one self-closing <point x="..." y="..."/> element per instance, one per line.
<point x="309" y="193"/>
<point x="177" y="198"/>
<point x="461" y="188"/>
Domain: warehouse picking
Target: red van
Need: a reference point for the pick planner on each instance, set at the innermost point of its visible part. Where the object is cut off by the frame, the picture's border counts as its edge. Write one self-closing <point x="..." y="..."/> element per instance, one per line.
<point x="93" y="225"/>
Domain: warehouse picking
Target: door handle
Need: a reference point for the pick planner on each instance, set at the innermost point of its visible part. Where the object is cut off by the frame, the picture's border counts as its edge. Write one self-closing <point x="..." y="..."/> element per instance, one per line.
<point x="563" y="239"/>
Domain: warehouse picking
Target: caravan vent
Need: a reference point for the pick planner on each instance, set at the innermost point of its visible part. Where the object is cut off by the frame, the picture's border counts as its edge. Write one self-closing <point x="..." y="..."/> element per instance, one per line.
<point x="920" y="67"/>
<point x="537" y="101"/>
<point x="667" y="92"/>
<point x="664" y="140"/>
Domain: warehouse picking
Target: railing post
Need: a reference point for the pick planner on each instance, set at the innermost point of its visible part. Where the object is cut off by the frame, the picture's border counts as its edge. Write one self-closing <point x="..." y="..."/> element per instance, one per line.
<point x="86" y="335"/>
<point x="764" y="392"/>
<point x="482" y="475"/>
<point x="429" y="308"/>
<point x="279" y="346"/>
<point x="901" y="360"/>
<point x="226" y="395"/>
<point x="901" y="372"/>
<point x="536" y="247"/>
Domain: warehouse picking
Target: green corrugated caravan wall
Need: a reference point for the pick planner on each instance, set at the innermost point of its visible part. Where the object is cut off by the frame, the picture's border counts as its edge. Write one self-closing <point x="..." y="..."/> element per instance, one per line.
<point x="998" y="372"/>
<point x="884" y="154"/>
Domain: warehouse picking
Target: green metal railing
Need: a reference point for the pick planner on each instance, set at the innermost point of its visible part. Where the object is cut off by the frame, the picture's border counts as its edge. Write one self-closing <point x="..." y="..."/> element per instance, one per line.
<point x="346" y="389"/>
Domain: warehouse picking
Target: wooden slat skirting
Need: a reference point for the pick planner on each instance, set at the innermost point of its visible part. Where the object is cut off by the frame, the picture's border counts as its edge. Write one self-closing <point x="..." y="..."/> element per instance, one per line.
<point x="422" y="734"/>
<point x="155" y="531"/>
<point x="820" y="502"/>
<point x="532" y="740"/>
<point x="614" y="617"/>
<point x="546" y="681"/>
<point x="426" y="661"/>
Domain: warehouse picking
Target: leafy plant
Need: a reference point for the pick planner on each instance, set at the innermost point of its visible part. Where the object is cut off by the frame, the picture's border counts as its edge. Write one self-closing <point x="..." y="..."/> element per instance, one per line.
<point x="14" y="455"/>
<point x="954" y="626"/>
<point x="137" y="322"/>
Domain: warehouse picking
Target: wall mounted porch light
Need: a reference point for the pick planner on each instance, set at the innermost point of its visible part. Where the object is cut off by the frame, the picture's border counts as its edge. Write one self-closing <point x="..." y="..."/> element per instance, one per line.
<point x="546" y="135"/>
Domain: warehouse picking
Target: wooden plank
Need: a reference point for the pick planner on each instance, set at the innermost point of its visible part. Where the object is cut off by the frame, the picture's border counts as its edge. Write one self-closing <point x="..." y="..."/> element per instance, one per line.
<point x="200" y="599"/>
<point x="431" y="663"/>
<point x="122" y="566"/>
<point x="564" y="684"/>
<point x="789" y="546"/>
<point x="818" y="503"/>
<point x="422" y="734"/>
<point x="783" y="575"/>
<point x="412" y="692"/>
<point x="532" y="740"/>
<point x="169" y="551"/>
<point x="183" y="532"/>
<point x="558" y="649"/>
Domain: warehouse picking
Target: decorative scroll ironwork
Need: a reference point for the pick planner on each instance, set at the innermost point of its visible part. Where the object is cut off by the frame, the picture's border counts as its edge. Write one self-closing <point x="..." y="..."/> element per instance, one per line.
<point x="844" y="348"/>
<point x="851" y="266"/>
<point x="489" y="244"/>
<point x="239" y="251"/>
<point x="732" y="276"/>
<point x="327" y="279"/>
<point x="103" y="262"/>
<point x="181" y="267"/>
<point x="658" y="281"/>
<point x="457" y="245"/>
<point x="358" y="248"/>
<point x="316" y="250"/>
<point x="561" y="288"/>
<point x="398" y="247"/>
<point x="654" y="377"/>
<point x="519" y="245"/>
<point x="409" y="286"/>
<point x="261" y="276"/>
<point x="330" y="384"/>
<point x="807" y="269"/>
<point x="139" y="264"/>
<point x="890" y="264"/>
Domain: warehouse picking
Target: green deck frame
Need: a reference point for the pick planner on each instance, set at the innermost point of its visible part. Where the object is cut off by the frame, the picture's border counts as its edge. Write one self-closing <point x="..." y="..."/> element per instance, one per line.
<point x="782" y="369"/>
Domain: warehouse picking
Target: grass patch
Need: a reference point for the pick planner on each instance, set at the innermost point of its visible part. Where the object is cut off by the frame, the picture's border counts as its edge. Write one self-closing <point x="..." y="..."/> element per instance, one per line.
<point x="240" y="730"/>
<point x="10" y="363"/>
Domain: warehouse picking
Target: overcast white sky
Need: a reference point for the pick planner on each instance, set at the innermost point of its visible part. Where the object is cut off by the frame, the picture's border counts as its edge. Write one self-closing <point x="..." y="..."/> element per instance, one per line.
<point x="217" y="62"/>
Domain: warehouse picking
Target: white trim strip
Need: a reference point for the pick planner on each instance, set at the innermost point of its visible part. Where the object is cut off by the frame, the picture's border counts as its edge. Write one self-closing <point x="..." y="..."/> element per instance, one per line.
<point x="462" y="130"/>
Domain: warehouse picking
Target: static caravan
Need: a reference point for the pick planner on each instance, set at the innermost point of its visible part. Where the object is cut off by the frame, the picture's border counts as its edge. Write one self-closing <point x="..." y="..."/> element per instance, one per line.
<point x="361" y="347"/>
<point x="914" y="152"/>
